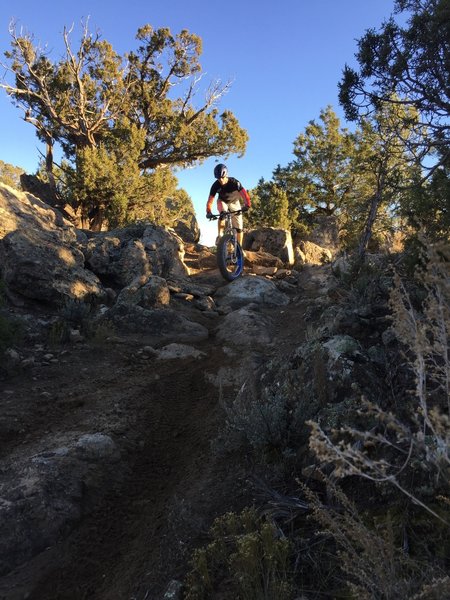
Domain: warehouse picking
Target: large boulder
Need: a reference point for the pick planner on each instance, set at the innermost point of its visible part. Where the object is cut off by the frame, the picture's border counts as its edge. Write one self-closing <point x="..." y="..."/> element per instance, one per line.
<point x="189" y="231"/>
<point x="40" y="255"/>
<point x="245" y="327"/>
<point x="145" y="292"/>
<point x="44" y="496"/>
<point x="325" y="233"/>
<point x="277" y="242"/>
<point x="311" y="254"/>
<point x="141" y="250"/>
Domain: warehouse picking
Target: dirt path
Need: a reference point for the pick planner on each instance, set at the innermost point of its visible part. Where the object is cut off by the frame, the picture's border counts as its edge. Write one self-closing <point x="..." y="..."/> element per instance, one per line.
<point x="165" y="414"/>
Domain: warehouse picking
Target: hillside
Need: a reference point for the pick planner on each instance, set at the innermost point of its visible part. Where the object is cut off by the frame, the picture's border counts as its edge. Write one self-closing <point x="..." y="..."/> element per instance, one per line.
<point x="127" y="431"/>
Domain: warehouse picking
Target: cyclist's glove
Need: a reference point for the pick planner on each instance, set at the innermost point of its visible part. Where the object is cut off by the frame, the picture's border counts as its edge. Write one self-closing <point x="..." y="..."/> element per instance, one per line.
<point x="209" y="215"/>
<point x="245" y="208"/>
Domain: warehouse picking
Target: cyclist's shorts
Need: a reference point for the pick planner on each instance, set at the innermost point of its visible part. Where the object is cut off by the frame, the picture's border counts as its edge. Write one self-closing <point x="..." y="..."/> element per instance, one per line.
<point x="237" y="220"/>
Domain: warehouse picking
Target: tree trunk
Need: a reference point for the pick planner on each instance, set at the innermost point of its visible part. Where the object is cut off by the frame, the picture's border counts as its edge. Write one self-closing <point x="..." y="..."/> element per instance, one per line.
<point x="367" y="234"/>
<point x="374" y="204"/>
<point x="49" y="164"/>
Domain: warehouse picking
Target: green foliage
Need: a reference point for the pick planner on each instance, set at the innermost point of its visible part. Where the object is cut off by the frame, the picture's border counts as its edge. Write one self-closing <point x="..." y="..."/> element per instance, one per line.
<point x="162" y="203"/>
<point x="401" y="70"/>
<point x="323" y="154"/>
<point x="383" y="171"/>
<point x="117" y="117"/>
<point x="10" y="175"/>
<point x="412" y="61"/>
<point x="401" y="450"/>
<point x="270" y="207"/>
<point x="107" y="177"/>
<point x="425" y="205"/>
<point x="318" y="180"/>
<point x="74" y="314"/>
<point x="246" y="557"/>
<point x="358" y="177"/>
<point x="369" y="559"/>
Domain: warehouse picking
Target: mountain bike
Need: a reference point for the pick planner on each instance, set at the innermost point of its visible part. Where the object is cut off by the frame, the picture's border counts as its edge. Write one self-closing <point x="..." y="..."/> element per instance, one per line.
<point x="230" y="257"/>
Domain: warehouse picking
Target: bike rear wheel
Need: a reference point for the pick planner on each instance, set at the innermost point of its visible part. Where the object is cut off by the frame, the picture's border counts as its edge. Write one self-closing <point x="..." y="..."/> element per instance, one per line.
<point x="230" y="258"/>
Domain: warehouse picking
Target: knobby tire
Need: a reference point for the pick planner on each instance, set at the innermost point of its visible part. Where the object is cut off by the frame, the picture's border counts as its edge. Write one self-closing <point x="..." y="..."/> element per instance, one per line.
<point x="229" y="270"/>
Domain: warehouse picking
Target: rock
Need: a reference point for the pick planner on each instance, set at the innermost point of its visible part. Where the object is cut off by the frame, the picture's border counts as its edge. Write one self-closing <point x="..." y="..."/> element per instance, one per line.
<point x="246" y="290"/>
<point x="377" y="355"/>
<point x="179" y="351"/>
<point x="12" y="355"/>
<point x="140" y="250"/>
<point x="145" y="292"/>
<point x="157" y="324"/>
<point x="312" y="254"/>
<point x="341" y="266"/>
<point x="262" y="259"/>
<point x="389" y="336"/>
<point x="43" y="497"/>
<point x="93" y="447"/>
<point x="245" y="328"/>
<point x="207" y="259"/>
<point x="277" y="242"/>
<point x="205" y="304"/>
<point x="174" y="590"/>
<point x="340" y="345"/>
<point x="188" y="232"/>
<point x="40" y="257"/>
<point x="325" y="233"/>
<point x="258" y="270"/>
<point x="299" y="257"/>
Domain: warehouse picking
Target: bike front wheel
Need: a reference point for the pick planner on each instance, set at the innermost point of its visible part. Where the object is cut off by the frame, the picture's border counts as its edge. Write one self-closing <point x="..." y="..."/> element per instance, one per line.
<point x="230" y="258"/>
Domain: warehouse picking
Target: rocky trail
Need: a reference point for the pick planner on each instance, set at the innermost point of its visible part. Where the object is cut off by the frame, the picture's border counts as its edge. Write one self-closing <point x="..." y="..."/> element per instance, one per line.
<point x="107" y="466"/>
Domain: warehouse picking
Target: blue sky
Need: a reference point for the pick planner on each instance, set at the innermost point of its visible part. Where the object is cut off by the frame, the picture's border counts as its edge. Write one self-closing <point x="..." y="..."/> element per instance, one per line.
<point x="285" y="59"/>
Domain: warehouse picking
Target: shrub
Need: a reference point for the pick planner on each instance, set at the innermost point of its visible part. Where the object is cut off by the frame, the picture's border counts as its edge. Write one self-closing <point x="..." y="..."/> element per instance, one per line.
<point x="77" y="314"/>
<point x="247" y="558"/>
<point x="402" y="454"/>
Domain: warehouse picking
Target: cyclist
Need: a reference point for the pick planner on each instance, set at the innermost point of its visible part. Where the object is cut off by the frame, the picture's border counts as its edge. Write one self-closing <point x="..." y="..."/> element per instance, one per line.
<point x="232" y="196"/>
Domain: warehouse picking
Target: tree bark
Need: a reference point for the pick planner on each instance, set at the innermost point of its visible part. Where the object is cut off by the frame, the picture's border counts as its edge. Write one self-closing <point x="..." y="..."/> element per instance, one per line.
<point x="367" y="234"/>
<point x="374" y="204"/>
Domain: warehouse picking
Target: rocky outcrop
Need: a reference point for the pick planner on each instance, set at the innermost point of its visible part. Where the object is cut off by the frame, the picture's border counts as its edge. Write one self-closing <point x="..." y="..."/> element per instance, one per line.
<point x="308" y="253"/>
<point x="325" y="233"/>
<point x="45" y="258"/>
<point x="40" y="256"/>
<point x="142" y="250"/>
<point x="189" y="232"/>
<point x="277" y="242"/>
<point x="250" y="290"/>
<point x="45" y="500"/>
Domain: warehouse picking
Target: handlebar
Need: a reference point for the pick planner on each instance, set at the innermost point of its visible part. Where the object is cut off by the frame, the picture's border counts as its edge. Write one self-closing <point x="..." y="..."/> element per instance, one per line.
<point x="224" y="213"/>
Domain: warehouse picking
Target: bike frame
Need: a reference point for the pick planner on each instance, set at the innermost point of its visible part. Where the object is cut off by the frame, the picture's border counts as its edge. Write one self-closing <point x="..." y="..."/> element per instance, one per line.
<point x="230" y="257"/>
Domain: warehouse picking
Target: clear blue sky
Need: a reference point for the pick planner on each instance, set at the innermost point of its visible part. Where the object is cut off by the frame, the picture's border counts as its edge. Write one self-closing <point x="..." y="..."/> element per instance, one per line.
<point x="285" y="58"/>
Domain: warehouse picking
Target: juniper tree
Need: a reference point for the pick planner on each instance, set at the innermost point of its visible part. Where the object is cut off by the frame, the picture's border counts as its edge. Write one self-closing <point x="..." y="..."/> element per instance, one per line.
<point x="10" y="174"/>
<point x="270" y="206"/>
<point x="409" y="66"/>
<point x="95" y="103"/>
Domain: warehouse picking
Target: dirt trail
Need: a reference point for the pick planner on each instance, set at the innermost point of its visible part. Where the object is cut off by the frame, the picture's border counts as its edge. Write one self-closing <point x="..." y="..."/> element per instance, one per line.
<point x="165" y="414"/>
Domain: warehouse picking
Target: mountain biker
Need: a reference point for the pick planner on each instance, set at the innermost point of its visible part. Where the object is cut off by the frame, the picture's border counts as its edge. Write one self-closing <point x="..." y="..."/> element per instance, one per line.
<point x="232" y="196"/>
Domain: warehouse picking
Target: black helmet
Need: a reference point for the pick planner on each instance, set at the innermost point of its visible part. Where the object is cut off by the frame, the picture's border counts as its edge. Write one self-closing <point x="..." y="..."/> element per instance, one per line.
<point x="220" y="171"/>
